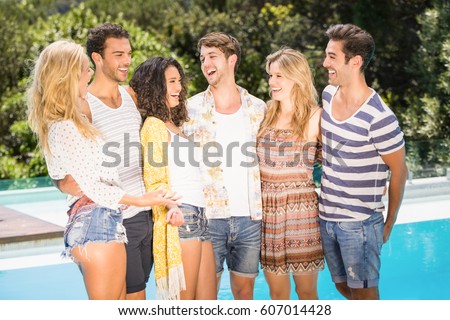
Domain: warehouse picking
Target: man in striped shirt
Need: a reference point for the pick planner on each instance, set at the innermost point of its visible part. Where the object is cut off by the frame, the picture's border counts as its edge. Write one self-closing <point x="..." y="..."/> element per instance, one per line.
<point x="362" y="141"/>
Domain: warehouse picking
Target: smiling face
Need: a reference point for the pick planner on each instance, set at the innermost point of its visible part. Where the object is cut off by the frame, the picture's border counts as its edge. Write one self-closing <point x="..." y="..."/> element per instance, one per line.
<point x="215" y="65"/>
<point x="116" y="59"/>
<point x="280" y="86"/>
<point x="338" y="68"/>
<point x="173" y="86"/>
<point x="86" y="74"/>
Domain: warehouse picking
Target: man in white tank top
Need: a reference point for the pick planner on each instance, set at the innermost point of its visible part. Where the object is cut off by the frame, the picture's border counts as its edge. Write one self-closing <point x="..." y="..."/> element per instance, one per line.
<point x="225" y="120"/>
<point x="114" y="113"/>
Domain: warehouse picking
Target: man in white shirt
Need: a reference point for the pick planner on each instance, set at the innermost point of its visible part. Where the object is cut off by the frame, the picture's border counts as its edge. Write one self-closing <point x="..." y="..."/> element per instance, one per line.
<point x="225" y="120"/>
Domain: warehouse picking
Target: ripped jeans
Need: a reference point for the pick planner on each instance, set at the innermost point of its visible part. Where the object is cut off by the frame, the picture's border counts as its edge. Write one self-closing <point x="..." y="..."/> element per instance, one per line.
<point x="92" y="223"/>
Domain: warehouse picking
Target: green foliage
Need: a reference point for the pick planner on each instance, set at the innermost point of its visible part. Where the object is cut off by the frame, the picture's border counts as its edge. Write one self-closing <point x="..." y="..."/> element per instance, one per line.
<point x="12" y="108"/>
<point x="19" y="156"/>
<point x="14" y="43"/>
<point x="75" y="24"/>
<point x="25" y="183"/>
<point x="428" y="113"/>
<point x="10" y="168"/>
<point x="259" y="30"/>
<point x="411" y="67"/>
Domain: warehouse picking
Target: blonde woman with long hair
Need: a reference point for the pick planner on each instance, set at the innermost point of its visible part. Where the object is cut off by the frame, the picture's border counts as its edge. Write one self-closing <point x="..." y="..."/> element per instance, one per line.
<point x="288" y="145"/>
<point x="94" y="237"/>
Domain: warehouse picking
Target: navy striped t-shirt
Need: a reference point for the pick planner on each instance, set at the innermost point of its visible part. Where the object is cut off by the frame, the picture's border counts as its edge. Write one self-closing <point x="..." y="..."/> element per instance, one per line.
<point x="354" y="174"/>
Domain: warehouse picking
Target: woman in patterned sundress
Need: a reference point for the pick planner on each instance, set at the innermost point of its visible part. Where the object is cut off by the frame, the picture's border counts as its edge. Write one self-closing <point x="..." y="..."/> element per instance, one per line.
<point x="288" y="145"/>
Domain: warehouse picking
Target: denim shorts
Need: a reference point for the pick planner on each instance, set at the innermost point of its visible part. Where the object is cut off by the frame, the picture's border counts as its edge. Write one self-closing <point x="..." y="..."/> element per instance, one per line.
<point x="93" y="224"/>
<point x="352" y="250"/>
<point x="195" y="226"/>
<point x="238" y="241"/>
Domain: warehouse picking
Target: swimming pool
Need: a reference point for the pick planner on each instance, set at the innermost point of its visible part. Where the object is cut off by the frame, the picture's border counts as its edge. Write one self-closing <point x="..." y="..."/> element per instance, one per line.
<point x="415" y="266"/>
<point x="415" y="261"/>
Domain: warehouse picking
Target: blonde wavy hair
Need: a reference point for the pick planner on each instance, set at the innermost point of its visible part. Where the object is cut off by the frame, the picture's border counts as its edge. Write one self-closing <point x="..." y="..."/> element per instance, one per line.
<point x="54" y="93"/>
<point x="294" y="66"/>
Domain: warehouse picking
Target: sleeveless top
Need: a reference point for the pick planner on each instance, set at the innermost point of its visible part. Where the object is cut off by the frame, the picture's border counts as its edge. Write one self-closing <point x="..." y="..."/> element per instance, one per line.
<point x="120" y="128"/>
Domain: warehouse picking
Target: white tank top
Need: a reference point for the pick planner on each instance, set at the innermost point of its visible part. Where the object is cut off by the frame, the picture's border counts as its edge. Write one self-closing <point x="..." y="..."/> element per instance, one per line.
<point x="184" y="171"/>
<point x="120" y="128"/>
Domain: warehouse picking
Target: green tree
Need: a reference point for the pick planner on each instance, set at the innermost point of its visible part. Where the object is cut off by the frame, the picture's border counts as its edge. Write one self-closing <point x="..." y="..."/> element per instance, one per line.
<point x="259" y="30"/>
<point x="427" y="118"/>
<point x="19" y="155"/>
<point x="410" y="68"/>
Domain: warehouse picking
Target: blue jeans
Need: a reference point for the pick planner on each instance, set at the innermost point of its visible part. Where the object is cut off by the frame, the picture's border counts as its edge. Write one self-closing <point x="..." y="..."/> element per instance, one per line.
<point x="238" y="241"/>
<point x="352" y="250"/>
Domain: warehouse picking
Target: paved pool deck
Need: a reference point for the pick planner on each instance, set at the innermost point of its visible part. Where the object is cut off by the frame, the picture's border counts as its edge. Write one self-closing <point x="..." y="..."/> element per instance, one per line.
<point x="19" y="230"/>
<point x="425" y="199"/>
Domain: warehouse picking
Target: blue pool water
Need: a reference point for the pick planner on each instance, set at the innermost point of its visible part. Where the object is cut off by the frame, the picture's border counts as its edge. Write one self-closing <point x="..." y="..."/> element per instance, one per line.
<point x="415" y="266"/>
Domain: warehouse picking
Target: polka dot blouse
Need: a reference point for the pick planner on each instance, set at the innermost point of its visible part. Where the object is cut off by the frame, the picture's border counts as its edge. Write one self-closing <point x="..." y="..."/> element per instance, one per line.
<point x="73" y="154"/>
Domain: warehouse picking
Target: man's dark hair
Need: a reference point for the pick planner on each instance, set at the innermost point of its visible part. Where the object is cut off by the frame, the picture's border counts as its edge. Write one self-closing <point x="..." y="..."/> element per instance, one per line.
<point x="355" y="41"/>
<point x="97" y="37"/>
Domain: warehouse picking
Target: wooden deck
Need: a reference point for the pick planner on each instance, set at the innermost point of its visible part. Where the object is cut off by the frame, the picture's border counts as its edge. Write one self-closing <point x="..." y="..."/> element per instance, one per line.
<point x="17" y="227"/>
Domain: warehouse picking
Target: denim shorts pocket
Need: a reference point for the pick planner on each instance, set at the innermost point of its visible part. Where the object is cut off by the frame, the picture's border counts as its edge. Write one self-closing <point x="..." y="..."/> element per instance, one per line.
<point x="115" y="214"/>
<point x="379" y="233"/>
<point x="191" y="221"/>
<point x="77" y="230"/>
<point x="353" y="226"/>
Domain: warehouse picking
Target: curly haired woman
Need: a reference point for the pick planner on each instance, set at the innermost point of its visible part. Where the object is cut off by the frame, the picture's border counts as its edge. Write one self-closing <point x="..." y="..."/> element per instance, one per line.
<point x="172" y="161"/>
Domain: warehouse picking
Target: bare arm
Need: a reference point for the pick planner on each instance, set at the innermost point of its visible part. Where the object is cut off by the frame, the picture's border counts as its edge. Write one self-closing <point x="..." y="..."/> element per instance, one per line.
<point x="69" y="186"/>
<point x="153" y="198"/>
<point x="132" y="94"/>
<point x="399" y="172"/>
<point x="314" y="131"/>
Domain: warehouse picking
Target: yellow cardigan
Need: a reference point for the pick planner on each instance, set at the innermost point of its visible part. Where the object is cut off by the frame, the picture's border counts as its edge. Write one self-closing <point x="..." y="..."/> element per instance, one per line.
<point x="169" y="273"/>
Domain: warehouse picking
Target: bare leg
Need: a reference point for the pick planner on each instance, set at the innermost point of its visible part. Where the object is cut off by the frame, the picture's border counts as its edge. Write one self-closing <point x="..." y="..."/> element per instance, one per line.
<point x="191" y="251"/>
<point x="206" y="285"/>
<point x="140" y="295"/>
<point x="103" y="266"/>
<point x="242" y="287"/>
<point x="279" y="285"/>
<point x="344" y="290"/>
<point x="218" y="279"/>
<point x="306" y="286"/>
<point x="123" y="293"/>
<point x="366" y="294"/>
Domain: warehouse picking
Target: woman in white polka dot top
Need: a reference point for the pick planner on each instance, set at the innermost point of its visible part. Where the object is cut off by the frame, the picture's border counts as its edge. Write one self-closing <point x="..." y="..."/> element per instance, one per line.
<point x="94" y="236"/>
